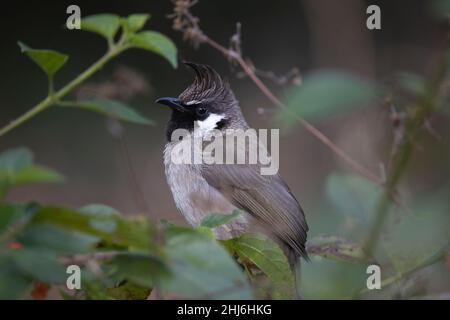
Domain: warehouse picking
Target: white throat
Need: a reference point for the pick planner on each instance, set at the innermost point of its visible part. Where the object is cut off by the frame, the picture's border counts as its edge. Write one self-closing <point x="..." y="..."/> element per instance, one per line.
<point x="206" y="126"/>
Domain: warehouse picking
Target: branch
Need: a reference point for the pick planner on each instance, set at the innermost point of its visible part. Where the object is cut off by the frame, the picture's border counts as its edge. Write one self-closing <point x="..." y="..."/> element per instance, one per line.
<point x="412" y="128"/>
<point x="184" y="21"/>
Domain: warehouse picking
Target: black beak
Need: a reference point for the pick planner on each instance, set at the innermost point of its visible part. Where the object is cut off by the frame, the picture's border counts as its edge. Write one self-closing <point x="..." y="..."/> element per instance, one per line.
<point x="174" y="103"/>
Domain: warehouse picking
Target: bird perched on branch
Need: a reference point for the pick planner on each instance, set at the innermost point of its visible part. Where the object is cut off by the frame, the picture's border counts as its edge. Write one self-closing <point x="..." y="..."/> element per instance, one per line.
<point x="209" y="105"/>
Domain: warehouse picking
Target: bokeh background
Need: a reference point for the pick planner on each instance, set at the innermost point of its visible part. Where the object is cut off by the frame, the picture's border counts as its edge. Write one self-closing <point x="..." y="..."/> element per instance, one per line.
<point x="277" y="36"/>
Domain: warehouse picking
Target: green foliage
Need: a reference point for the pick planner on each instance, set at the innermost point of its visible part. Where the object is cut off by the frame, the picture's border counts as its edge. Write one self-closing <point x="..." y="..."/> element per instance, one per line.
<point x="136" y="22"/>
<point x="49" y="61"/>
<point x="113" y="109"/>
<point x="354" y="197"/>
<point x="215" y="220"/>
<point x="108" y="26"/>
<point x="202" y="269"/>
<point x="157" y="43"/>
<point x="266" y="255"/>
<point x="38" y="241"/>
<point x="17" y="168"/>
<point x="328" y="93"/>
<point x="410" y="240"/>
<point x="441" y="8"/>
<point x="40" y="264"/>
<point x="331" y="279"/>
<point x="105" y="25"/>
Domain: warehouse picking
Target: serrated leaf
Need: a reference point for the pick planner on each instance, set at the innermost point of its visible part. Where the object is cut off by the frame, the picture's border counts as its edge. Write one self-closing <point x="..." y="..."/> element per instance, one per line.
<point x="111" y="108"/>
<point x="105" y="25"/>
<point x="333" y="247"/>
<point x="201" y="268"/>
<point x="328" y="93"/>
<point x="268" y="257"/>
<point x="48" y="60"/>
<point x="157" y="43"/>
<point x="137" y="21"/>
<point x="215" y="220"/>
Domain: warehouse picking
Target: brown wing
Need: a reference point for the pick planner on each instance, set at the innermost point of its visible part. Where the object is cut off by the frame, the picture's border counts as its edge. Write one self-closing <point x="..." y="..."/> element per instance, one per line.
<point x="267" y="198"/>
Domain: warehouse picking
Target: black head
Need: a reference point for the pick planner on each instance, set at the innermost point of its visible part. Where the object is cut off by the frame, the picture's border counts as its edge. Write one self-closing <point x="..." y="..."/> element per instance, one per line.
<point x="208" y="101"/>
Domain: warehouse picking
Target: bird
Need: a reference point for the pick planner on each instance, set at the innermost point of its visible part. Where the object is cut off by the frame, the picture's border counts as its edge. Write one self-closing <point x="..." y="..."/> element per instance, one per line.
<point x="200" y="189"/>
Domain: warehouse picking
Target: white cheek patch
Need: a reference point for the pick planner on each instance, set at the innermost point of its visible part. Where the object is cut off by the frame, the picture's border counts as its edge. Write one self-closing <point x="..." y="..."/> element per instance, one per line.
<point x="209" y="123"/>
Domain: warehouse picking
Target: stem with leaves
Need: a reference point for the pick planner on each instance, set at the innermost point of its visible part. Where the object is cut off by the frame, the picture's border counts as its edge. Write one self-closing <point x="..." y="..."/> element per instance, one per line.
<point x="54" y="97"/>
<point x="107" y="25"/>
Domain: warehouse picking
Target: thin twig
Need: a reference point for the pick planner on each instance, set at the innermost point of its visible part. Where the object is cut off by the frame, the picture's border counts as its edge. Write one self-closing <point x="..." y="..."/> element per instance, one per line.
<point x="184" y="21"/>
<point x="412" y="128"/>
<point x="138" y="193"/>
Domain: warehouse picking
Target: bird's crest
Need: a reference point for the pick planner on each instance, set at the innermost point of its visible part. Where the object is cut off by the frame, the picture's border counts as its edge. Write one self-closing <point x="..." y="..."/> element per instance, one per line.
<point x="207" y="86"/>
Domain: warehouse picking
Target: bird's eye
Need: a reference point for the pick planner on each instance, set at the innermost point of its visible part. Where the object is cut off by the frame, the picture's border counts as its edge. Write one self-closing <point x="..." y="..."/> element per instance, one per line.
<point x="201" y="111"/>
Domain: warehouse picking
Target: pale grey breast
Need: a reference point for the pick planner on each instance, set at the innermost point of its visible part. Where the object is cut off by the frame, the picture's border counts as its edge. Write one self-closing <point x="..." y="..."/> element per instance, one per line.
<point x="195" y="198"/>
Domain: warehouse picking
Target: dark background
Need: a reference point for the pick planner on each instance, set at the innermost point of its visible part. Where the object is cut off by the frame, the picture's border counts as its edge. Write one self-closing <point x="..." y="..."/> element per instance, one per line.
<point x="277" y="35"/>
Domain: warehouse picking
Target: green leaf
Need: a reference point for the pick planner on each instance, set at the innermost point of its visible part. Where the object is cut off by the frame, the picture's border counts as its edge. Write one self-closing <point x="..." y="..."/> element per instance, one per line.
<point x="16" y="159"/>
<point x="111" y="108"/>
<point x="328" y="93"/>
<point x="333" y="247"/>
<point x="105" y="25"/>
<point x="141" y="268"/>
<point x="49" y="60"/>
<point x="137" y="21"/>
<point x="215" y="220"/>
<point x="201" y="268"/>
<point x="35" y="174"/>
<point x="268" y="257"/>
<point x="13" y="283"/>
<point x="16" y="168"/>
<point x="157" y="43"/>
<point x="9" y="214"/>
<point x="99" y="209"/>
<point x="419" y="234"/>
<point x="39" y="264"/>
<point x="133" y="233"/>
<point x="354" y="196"/>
